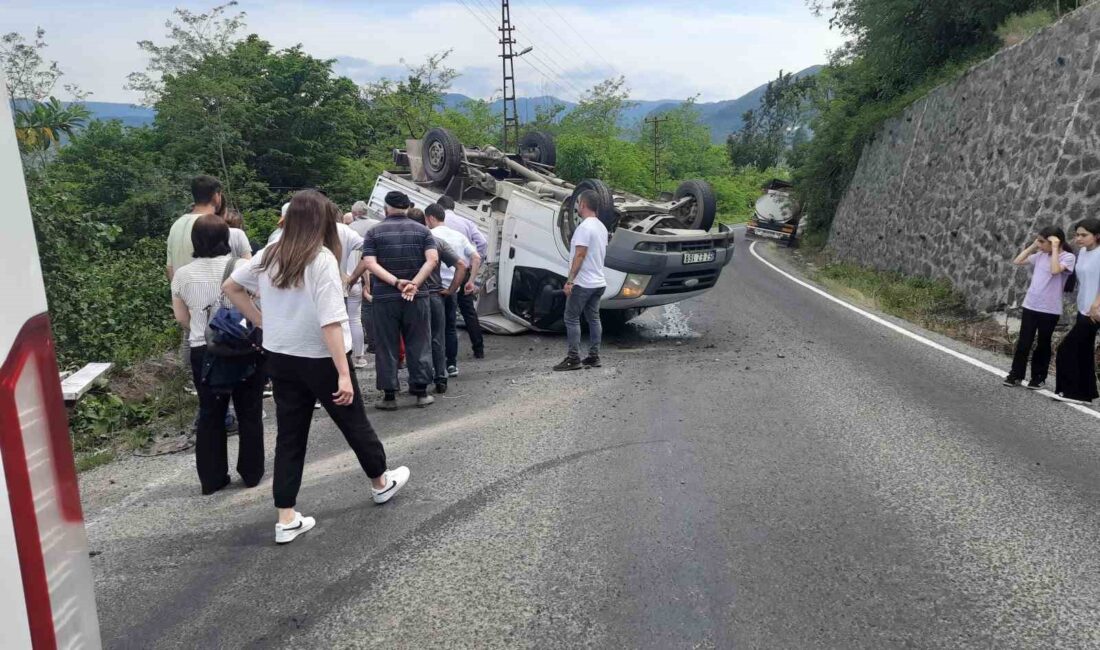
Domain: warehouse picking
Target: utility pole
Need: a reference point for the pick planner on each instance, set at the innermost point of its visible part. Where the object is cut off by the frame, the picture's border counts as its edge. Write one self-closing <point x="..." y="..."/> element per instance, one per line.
<point x="508" y="74"/>
<point x="656" y="122"/>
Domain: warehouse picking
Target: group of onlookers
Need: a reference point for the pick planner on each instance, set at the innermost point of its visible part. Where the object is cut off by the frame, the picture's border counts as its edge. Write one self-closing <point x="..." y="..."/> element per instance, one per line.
<point x="327" y="290"/>
<point x="1056" y="270"/>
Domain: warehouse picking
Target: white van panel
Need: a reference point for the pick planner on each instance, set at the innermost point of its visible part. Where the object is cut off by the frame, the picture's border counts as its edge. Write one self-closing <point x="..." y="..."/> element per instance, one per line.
<point x="22" y="292"/>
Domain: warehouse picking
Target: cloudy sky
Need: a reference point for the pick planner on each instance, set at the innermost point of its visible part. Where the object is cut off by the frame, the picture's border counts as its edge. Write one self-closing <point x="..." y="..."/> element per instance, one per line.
<point x="666" y="49"/>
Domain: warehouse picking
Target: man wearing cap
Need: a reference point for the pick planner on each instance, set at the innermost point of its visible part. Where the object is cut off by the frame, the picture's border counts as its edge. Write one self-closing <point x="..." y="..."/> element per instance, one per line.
<point x="400" y="255"/>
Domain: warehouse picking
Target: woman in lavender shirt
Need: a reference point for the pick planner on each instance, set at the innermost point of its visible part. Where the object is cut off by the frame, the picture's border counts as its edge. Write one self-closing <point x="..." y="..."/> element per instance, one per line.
<point x="1076" y="362"/>
<point x="1042" y="305"/>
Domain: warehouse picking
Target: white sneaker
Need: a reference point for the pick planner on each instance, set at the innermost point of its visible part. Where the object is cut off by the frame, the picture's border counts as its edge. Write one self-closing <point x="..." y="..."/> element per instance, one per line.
<point x="361" y="363"/>
<point x="286" y="533"/>
<point x="395" y="480"/>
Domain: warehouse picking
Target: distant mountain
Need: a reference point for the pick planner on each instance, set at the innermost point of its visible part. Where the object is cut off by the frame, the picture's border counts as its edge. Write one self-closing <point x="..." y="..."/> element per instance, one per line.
<point x="722" y="117"/>
<point x="128" y="114"/>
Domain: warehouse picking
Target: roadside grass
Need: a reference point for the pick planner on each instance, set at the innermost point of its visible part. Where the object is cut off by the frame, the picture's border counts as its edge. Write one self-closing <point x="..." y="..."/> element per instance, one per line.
<point x="1019" y="27"/>
<point x="731" y="219"/>
<point x="94" y="459"/>
<point x="909" y="298"/>
<point x="140" y="403"/>
<point x="932" y="304"/>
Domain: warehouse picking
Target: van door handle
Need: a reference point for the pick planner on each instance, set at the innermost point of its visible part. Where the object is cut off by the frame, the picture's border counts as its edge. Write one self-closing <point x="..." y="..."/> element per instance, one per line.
<point x="511" y="252"/>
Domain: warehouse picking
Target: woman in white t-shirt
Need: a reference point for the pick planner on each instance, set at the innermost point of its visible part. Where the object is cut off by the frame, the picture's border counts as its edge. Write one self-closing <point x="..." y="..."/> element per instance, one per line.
<point x="196" y="296"/>
<point x="307" y="340"/>
<point x="1075" y="365"/>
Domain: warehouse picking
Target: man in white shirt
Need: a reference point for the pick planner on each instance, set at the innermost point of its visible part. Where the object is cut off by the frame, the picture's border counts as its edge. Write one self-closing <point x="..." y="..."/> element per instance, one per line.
<point x="464" y="298"/>
<point x="585" y="285"/>
<point x="435" y="217"/>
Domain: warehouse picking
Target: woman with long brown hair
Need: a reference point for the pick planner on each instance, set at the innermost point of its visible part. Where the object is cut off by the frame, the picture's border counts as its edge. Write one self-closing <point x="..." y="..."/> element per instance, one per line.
<point x="307" y="340"/>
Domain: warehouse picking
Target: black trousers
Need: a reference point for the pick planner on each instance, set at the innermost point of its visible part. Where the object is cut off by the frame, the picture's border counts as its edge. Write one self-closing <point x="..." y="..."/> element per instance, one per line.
<point x="1075" y="366"/>
<point x="1036" y="329"/>
<point x="298" y="383"/>
<point x="211" y="454"/>
<point x="439" y="326"/>
<point x="412" y="321"/>
<point x="367" y="313"/>
<point x="452" y="304"/>
<point x="469" y="317"/>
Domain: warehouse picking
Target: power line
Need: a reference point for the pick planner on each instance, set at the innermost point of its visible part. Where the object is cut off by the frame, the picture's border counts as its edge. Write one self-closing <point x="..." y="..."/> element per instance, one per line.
<point x="561" y="90"/>
<point x="546" y="66"/>
<point x="543" y="22"/>
<point x="574" y="29"/>
<point x="480" y="18"/>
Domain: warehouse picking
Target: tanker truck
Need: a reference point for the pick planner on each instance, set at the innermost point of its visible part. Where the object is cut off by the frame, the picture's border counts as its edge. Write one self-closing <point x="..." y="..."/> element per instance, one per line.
<point x="777" y="215"/>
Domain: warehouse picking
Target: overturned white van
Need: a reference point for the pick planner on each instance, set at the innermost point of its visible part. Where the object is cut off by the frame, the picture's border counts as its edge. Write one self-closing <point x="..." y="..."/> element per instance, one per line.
<point x="659" y="252"/>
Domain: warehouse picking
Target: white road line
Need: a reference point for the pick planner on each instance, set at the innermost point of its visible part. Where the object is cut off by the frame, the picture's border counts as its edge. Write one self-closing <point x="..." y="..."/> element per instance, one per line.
<point x="904" y="332"/>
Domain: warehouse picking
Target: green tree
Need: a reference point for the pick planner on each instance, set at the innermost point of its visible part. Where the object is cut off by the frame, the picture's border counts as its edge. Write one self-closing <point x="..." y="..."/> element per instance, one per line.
<point x="897" y="50"/>
<point x="474" y="123"/>
<point x="407" y="108"/>
<point x="40" y="118"/>
<point x="191" y="37"/>
<point x="599" y="111"/>
<point x="767" y="133"/>
<point x="269" y="121"/>
<point x="41" y="125"/>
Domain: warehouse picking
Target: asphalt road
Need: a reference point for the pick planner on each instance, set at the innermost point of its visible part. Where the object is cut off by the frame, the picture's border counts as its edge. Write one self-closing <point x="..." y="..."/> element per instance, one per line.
<point x="754" y="468"/>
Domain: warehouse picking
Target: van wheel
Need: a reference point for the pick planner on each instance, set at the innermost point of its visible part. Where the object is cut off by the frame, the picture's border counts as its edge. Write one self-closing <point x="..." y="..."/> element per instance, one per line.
<point x="539" y="147"/>
<point x="442" y="155"/>
<point x="699" y="213"/>
<point x="569" y="217"/>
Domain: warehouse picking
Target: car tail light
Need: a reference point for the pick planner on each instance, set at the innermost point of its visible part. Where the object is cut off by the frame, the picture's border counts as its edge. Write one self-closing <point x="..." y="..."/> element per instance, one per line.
<point x="40" y="479"/>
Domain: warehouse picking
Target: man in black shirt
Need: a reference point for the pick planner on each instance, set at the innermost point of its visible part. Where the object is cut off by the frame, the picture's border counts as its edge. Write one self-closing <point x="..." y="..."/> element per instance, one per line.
<point x="400" y="255"/>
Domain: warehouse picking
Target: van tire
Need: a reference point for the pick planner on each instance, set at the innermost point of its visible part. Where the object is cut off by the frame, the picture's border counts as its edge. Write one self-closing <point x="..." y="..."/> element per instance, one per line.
<point x="541" y="146"/>
<point x="700" y="214"/>
<point x="442" y="155"/>
<point x="605" y="209"/>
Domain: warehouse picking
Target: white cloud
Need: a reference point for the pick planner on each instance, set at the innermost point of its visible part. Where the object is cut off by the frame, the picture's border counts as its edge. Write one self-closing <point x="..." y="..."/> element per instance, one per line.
<point x="664" y="51"/>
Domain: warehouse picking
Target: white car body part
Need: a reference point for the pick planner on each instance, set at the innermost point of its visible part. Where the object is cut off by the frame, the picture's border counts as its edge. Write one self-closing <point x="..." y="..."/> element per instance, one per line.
<point x="47" y="599"/>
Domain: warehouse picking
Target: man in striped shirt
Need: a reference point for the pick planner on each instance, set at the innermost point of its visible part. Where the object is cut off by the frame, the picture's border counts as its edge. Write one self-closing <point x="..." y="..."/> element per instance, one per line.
<point x="400" y="255"/>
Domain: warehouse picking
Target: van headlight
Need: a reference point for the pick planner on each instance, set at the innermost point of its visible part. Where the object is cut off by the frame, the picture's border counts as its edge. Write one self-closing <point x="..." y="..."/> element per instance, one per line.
<point x="651" y="247"/>
<point x="634" y="286"/>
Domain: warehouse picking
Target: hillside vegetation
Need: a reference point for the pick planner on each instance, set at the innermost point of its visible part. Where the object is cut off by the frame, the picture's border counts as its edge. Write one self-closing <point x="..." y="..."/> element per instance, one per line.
<point x="897" y="51"/>
<point x="268" y="122"/>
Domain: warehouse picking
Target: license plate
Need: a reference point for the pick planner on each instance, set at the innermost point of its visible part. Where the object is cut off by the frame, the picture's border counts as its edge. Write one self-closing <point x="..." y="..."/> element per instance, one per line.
<point x="696" y="258"/>
<point x="770" y="234"/>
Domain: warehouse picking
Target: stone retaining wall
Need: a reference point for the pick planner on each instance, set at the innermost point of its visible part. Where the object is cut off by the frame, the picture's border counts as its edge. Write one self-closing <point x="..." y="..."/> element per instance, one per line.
<point x="957" y="184"/>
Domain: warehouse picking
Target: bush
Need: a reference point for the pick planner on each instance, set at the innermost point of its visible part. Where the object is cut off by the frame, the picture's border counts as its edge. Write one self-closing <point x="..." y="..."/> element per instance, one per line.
<point x="259" y="224"/>
<point x="112" y="306"/>
<point x="105" y="304"/>
<point x="1018" y="27"/>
